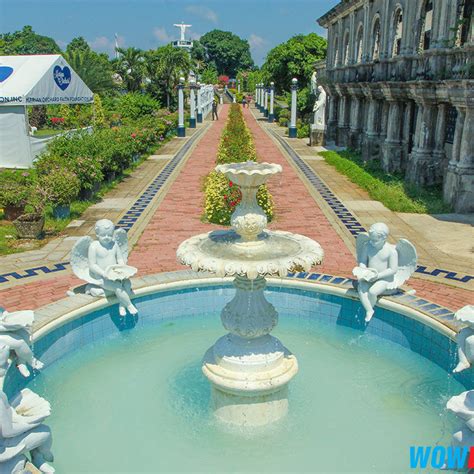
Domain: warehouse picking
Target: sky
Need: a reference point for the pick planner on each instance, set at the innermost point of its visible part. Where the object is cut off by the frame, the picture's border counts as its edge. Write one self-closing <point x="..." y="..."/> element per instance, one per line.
<point x="147" y="24"/>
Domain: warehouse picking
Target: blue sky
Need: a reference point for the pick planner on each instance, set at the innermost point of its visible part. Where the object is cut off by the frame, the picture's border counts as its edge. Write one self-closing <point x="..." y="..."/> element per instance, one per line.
<point x="149" y="23"/>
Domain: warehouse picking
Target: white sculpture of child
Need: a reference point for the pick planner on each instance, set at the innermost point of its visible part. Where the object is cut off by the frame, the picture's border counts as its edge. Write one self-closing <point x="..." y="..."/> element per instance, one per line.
<point x="465" y="338"/>
<point x="382" y="267"/>
<point x="14" y="335"/>
<point x="22" y="432"/>
<point x="103" y="263"/>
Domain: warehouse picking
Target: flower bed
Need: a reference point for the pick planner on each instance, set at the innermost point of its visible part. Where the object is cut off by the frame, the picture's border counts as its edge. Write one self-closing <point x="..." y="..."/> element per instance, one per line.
<point x="221" y="195"/>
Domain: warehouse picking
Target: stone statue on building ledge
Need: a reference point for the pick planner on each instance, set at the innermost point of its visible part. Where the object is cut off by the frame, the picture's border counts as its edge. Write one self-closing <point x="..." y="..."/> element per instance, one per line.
<point x="319" y="109"/>
<point x="382" y="267"/>
<point x="15" y="342"/>
<point x="465" y="338"/>
<point x="103" y="264"/>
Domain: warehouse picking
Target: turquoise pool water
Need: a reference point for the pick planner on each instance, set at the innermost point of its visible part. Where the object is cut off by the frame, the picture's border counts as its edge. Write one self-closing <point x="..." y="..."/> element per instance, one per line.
<point x="135" y="399"/>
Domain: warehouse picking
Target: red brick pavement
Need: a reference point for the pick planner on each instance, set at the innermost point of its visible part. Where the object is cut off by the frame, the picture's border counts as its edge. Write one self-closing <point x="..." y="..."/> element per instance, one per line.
<point x="178" y="217"/>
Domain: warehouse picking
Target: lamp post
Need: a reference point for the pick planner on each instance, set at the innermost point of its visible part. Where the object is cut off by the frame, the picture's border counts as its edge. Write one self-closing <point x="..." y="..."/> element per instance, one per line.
<point x="181" y="129"/>
<point x="199" y="102"/>
<point x="192" y="104"/>
<point x="260" y="98"/>
<point x="294" y="89"/>
<point x="265" y="102"/>
<point x="271" y="117"/>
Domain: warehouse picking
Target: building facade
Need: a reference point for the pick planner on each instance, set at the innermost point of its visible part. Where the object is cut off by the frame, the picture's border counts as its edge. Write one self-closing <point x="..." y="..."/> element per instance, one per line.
<point x="400" y="83"/>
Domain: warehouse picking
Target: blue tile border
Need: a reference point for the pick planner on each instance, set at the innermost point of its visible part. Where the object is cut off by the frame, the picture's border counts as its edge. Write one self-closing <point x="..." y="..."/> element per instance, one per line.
<point x="127" y="221"/>
<point x="346" y="218"/>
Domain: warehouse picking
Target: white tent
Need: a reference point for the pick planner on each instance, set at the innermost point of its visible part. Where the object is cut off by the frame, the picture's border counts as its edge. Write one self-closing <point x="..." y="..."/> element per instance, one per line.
<point x="32" y="80"/>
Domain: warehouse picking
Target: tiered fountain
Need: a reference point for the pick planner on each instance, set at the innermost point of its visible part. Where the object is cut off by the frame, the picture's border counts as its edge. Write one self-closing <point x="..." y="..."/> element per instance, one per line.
<point x="249" y="369"/>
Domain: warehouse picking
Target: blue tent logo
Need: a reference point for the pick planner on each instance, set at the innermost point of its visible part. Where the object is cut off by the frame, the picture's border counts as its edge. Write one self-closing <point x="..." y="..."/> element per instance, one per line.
<point x="5" y="72"/>
<point x="62" y="77"/>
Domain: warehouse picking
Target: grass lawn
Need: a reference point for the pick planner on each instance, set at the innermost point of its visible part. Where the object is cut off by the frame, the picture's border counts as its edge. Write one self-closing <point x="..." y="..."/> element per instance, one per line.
<point x="390" y="190"/>
<point x="47" y="132"/>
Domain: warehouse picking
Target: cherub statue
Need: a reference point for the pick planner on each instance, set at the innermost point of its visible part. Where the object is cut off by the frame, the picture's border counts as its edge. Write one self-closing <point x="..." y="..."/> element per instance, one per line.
<point x="463" y="407"/>
<point x="103" y="264"/>
<point x="465" y="338"/>
<point x="15" y="342"/>
<point x="382" y="267"/>
<point x="22" y="433"/>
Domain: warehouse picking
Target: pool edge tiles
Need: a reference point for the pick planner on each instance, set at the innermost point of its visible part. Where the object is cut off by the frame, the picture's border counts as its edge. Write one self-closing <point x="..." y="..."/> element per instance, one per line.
<point x="308" y="302"/>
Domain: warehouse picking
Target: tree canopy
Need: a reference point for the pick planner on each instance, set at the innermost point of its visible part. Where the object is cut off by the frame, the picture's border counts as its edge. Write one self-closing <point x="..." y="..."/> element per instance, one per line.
<point x="227" y="52"/>
<point x="27" y="41"/>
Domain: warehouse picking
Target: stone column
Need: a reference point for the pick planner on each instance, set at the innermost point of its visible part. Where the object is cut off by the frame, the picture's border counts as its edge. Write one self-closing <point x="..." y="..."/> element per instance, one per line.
<point x="366" y="42"/>
<point x="355" y="127"/>
<point x="265" y="102"/>
<point x="392" y="148"/>
<point x="422" y="170"/>
<point x="238" y="86"/>
<point x="343" y="115"/>
<point x="260" y="98"/>
<point x="192" y="105"/>
<point x="332" y="118"/>
<point x="292" y="127"/>
<point x="406" y="132"/>
<point x="199" y="102"/>
<point x="271" y="117"/>
<point x="181" y="129"/>
<point x="459" y="183"/>
<point x="439" y="154"/>
<point x="370" y="139"/>
<point x="352" y="41"/>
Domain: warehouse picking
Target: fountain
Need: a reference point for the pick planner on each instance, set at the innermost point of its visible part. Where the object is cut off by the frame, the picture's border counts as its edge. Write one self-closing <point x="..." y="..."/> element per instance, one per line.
<point x="249" y="370"/>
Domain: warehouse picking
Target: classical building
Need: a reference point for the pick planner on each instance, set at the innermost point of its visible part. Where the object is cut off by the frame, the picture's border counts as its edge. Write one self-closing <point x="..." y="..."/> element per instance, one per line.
<point x="399" y="78"/>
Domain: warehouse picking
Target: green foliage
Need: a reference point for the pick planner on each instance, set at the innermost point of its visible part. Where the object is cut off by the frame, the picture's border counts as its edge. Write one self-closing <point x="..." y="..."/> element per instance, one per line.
<point x="130" y="67"/>
<point x="221" y="195"/>
<point x="37" y="116"/>
<point x="59" y="186"/>
<point x="98" y="118"/>
<point x="227" y="52"/>
<point x="27" y="41"/>
<point x="94" y="69"/>
<point x="78" y="44"/>
<point x="294" y="58"/>
<point x="134" y="105"/>
<point x="15" y="187"/>
<point x="209" y="75"/>
<point x="302" y="130"/>
<point x="390" y="190"/>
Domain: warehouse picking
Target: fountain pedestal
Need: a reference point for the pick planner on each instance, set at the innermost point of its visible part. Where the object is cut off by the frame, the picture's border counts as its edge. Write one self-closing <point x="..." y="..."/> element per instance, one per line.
<point x="249" y="370"/>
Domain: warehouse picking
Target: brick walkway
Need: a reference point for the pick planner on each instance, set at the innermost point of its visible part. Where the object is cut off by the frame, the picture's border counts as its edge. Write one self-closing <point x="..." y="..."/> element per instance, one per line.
<point x="179" y="217"/>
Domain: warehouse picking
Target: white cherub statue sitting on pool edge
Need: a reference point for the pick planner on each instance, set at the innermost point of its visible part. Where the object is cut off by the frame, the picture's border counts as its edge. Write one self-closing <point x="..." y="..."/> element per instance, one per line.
<point x="465" y="338"/>
<point x="382" y="267"/>
<point x="103" y="264"/>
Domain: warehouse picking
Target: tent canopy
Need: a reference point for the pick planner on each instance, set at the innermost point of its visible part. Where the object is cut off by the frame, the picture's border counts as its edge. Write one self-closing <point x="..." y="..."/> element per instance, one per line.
<point x="32" y="80"/>
<point x="40" y="80"/>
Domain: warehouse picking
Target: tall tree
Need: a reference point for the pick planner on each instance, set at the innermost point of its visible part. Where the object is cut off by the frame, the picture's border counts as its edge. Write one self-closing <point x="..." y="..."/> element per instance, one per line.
<point x="164" y="66"/>
<point x="78" y="44"/>
<point x="227" y="52"/>
<point x="27" y="41"/>
<point x="130" y="67"/>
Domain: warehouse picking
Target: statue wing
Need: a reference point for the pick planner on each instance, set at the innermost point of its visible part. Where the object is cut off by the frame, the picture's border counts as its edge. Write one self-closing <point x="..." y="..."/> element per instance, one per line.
<point x="407" y="262"/>
<point x="121" y="237"/>
<point x="80" y="260"/>
<point x="361" y="242"/>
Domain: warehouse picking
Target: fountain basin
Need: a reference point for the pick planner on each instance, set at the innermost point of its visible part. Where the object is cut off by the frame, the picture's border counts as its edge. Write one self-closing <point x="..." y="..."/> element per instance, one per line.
<point x="392" y="374"/>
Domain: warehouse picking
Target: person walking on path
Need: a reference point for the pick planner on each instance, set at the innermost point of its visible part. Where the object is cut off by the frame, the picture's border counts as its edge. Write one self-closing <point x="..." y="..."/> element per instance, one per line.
<point x="214" y="111"/>
<point x="244" y="102"/>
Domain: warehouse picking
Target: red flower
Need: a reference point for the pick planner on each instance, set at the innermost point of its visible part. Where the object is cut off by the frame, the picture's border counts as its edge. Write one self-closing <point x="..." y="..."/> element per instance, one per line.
<point x="232" y="203"/>
<point x="231" y="183"/>
<point x="225" y="196"/>
<point x="133" y="135"/>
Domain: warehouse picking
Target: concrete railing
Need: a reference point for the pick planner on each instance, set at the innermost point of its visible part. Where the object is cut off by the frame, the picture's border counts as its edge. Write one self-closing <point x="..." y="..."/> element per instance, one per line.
<point x="207" y="97"/>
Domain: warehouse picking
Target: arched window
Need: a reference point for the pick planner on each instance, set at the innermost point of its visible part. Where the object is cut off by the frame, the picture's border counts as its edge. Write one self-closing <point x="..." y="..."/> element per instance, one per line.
<point x="397" y="32"/>
<point x="359" y="43"/>
<point x="426" y="22"/>
<point x="376" y="40"/>
<point x="465" y="12"/>
<point x="345" y="51"/>
<point x="336" y="51"/>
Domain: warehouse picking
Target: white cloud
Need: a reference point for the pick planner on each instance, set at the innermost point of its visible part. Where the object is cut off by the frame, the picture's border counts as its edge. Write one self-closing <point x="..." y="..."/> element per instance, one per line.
<point x="257" y="42"/>
<point x="162" y="35"/>
<point x="103" y="43"/>
<point x="203" y="12"/>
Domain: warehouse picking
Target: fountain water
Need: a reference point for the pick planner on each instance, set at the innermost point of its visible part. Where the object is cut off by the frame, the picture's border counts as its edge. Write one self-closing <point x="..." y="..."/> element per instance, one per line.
<point x="249" y="369"/>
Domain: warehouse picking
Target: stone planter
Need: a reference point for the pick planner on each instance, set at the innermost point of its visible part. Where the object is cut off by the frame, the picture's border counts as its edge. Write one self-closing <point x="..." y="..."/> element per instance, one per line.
<point x="29" y="226"/>
<point x="62" y="212"/>
<point x="10" y="213"/>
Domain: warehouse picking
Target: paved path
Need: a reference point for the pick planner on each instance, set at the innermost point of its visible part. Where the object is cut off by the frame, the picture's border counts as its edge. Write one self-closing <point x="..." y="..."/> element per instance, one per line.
<point x="177" y="210"/>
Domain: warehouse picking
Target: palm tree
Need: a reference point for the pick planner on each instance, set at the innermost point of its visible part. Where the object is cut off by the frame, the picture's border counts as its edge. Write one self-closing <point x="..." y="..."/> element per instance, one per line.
<point x="92" y="68"/>
<point x="130" y="68"/>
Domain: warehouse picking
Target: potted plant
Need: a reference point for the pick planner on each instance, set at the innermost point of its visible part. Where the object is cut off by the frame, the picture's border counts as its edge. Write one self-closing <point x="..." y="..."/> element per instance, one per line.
<point x="15" y="188"/>
<point x="30" y="225"/>
<point x="60" y="187"/>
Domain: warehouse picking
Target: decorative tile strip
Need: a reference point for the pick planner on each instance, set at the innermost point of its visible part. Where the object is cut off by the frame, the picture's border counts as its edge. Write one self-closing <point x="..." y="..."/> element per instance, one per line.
<point x="31" y="272"/>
